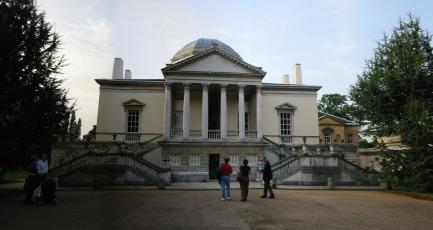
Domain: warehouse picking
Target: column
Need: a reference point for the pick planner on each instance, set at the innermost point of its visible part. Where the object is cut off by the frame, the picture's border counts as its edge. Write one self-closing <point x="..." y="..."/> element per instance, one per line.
<point x="259" y="112"/>
<point x="167" y="110"/>
<point x="241" y="110"/>
<point x="204" y="111"/>
<point x="186" y="99"/>
<point x="223" y="112"/>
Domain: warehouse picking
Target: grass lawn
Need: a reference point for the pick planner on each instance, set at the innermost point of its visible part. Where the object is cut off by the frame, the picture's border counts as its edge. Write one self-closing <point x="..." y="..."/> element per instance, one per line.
<point x="14" y="175"/>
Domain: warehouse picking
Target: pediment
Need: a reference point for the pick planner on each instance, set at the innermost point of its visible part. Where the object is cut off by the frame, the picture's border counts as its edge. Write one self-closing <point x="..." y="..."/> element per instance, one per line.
<point x="330" y="121"/>
<point x="213" y="61"/>
<point x="286" y="106"/>
<point x="133" y="102"/>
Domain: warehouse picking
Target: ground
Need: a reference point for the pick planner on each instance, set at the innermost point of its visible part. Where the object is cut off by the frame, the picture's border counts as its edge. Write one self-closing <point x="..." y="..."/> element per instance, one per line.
<point x="159" y="209"/>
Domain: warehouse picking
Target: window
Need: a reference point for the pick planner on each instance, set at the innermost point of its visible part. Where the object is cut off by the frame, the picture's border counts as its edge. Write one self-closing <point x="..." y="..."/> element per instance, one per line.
<point x="234" y="159"/>
<point x="349" y="138"/>
<point x="174" y="159"/>
<point x="178" y="119"/>
<point x="285" y="124"/>
<point x="246" y="121"/>
<point x="252" y="159"/>
<point x="327" y="136"/>
<point x="194" y="159"/>
<point x="133" y="121"/>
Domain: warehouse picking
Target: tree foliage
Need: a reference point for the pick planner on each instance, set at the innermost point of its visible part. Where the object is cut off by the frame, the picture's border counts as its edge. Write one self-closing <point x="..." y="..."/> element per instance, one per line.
<point x="33" y="105"/>
<point x="71" y="128"/>
<point x="395" y="95"/>
<point x="335" y="104"/>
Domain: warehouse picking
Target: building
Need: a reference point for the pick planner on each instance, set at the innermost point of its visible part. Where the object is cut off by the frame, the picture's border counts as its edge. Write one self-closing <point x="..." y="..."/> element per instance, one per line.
<point x="337" y="130"/>
<point x="211" y="104"/>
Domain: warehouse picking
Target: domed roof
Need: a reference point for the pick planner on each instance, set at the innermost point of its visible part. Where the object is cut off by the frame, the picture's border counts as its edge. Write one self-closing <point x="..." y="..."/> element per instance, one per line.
<point x="201" y="45"/>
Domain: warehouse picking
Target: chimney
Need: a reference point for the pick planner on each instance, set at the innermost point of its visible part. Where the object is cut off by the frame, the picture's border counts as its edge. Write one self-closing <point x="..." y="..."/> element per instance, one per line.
<point x="117" y="68"/>
<point x="285" y="79"/>
<point x="128" y="74"/>
<point x="296" y="74"/>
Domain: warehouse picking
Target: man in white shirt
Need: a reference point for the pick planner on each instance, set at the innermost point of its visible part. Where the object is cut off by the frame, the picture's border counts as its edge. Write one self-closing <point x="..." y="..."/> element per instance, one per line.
<point x="42" y="165"/>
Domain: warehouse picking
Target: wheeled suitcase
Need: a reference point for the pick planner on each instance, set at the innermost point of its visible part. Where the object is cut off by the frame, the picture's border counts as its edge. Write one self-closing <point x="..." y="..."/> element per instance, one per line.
<point x="49" y="188"/>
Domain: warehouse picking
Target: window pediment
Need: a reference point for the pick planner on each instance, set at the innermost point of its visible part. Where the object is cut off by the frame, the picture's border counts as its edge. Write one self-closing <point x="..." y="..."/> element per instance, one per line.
<point x="286" y="107"/>
<point x="133" y="104"/>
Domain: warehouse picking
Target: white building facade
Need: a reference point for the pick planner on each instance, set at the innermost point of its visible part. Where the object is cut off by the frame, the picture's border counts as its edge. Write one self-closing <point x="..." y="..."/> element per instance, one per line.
<point x="210" y="105"/>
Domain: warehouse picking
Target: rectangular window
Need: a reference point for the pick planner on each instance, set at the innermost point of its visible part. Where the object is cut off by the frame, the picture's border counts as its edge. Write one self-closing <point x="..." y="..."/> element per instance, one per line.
<point x="234" y="159"/>
<point x="178" y="119"/>
<point x="246" y="121"/>
<point x="349" y="138"/>
<point x="133" y="121"/>
<point x="285" y="124"/>
<point x="327" y="137"/>
<point x="174" y="159"/>
<point x="252" y="159"/>
<point x="194" y="159"/>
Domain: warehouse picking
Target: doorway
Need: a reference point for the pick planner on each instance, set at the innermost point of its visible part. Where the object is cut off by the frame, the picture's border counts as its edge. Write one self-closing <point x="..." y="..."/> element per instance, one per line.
<point x="214" y="161"/>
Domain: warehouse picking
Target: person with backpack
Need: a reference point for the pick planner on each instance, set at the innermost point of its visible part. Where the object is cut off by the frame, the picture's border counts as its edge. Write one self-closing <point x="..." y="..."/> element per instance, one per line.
<point x="244" y="180"/>
<point x="226" y="171"/>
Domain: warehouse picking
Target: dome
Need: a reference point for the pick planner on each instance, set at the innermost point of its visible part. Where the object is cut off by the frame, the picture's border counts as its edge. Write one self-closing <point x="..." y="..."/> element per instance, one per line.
<point x="201" y="45"/>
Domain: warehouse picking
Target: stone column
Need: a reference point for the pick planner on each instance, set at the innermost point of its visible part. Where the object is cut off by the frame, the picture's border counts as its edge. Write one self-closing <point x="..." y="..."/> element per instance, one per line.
<point x="204" y="111"/>
<point x="223" y="112"/>
<point x="186" y="106"/>
<point x="167" y="110"/>
<point x="241" y="110"/>
<point x="259" y="112"/>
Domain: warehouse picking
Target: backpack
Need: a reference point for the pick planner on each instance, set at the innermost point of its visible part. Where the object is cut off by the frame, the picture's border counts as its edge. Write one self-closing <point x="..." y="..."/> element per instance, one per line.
<point x="218" y="173"/>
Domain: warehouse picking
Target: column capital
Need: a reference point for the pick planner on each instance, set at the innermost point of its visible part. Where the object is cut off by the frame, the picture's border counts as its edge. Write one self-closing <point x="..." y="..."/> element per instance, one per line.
<point x="205" y="85"/>
<point x="241" y="86"/>
<point x="259" y="86"/>
<point x="168" y="84"/>
<point x="223" y="85"/>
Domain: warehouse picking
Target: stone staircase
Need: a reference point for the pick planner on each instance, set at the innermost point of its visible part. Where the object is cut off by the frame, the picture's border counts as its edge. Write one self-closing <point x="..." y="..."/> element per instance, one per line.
<point x="316" y="169"/>
<point x="94" y="162"/>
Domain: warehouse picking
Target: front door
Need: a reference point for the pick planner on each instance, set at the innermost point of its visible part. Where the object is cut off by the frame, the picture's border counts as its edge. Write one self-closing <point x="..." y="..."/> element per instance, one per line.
<point x="214" y="161"/>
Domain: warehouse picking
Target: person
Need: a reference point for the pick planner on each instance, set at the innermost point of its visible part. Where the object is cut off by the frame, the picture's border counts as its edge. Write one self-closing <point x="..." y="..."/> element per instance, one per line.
<point x="226" y="171"/>
<point x="244" y="180"/>
<point x="267" y="177"/>
<point x="33" y="180"/>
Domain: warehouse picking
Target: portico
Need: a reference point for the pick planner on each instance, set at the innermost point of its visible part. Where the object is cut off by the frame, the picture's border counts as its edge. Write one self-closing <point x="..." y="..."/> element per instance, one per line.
<point x="221" y="128"/>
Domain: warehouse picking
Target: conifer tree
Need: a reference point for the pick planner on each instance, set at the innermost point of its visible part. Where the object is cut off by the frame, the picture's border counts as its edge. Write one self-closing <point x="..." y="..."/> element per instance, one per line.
<point x="395" y="95"/>
<point x="33" y="105"/>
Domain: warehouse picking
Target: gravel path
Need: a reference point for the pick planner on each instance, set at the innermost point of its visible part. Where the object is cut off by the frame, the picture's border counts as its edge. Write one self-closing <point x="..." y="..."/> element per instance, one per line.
<point x="153" y="209"/>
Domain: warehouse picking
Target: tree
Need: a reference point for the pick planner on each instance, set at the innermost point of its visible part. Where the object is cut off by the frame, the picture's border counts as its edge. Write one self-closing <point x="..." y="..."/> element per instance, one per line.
<point x="71" y="128"/>
<point x="33" y="105"/>
<point x="394" y="94"/>
<point x="335" y="104"/>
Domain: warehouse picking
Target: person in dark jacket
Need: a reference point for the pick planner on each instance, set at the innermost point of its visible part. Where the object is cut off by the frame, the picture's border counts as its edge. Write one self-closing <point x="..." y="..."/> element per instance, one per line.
<point x="33" y="180"/>
<point x="267" y="177"/>
<point x="244" y="180"/>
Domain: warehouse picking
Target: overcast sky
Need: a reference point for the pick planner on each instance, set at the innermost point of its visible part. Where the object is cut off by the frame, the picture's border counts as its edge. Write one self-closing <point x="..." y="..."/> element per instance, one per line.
<point x="331" y="39"/>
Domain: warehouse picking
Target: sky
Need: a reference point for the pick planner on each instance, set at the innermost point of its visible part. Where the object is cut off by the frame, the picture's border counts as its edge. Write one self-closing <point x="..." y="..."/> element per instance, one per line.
<point x="330" y="39"/>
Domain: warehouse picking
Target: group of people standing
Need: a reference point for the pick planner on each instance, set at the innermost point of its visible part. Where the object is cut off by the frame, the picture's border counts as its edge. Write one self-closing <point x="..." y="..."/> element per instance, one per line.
<point x="224" y="176"/>
<point x="38" y="172"/>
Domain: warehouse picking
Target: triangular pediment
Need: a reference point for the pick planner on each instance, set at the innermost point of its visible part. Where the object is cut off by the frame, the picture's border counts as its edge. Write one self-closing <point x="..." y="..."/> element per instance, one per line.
<point x="213" y="61"/>
<point x="285" y="106"/>
<point x="330" y="118"/>
<point x="133" y="102"/>
<point x="330" y="121"/>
